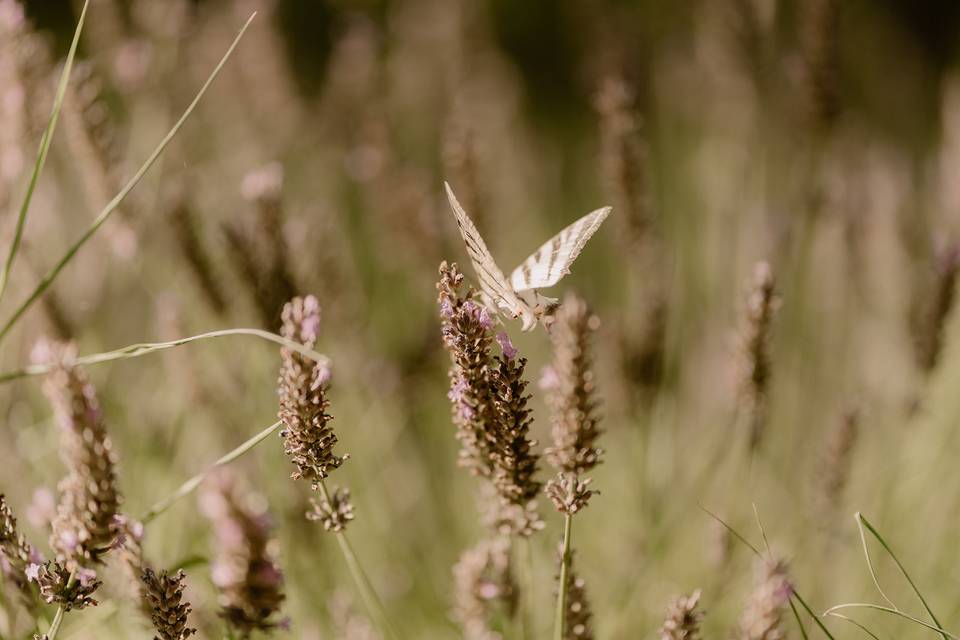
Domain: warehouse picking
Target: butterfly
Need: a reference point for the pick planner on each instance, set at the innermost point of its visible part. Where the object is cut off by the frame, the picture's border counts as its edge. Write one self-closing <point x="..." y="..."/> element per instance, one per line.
<point x="518" y="295"/>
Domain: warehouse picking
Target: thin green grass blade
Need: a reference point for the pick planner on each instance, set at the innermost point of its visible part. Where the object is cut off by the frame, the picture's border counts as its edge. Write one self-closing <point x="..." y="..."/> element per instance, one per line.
<point x="896" y="612"/>
<point x="45" y="140"/>
<point x="48" y="279"/>
<point x="860" y="519"/>
<point x="191" y="485"/>
<point x="145" y="348"/>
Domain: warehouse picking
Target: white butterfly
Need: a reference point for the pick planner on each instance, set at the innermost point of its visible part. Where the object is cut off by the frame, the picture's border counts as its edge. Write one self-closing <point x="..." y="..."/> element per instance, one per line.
<point x="518" y="296"/>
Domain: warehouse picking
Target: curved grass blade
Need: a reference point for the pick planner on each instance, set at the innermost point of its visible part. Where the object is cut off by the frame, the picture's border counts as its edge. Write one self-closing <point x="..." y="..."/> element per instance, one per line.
<point x="144" y="348"/>
<point x="896" y="612"/>
<point x="191" y="485"/>
<point x="48" y="279"/>
<point x="861" y="520"/>
<point x="45" y="140"/>
<point x="856" y="624"/>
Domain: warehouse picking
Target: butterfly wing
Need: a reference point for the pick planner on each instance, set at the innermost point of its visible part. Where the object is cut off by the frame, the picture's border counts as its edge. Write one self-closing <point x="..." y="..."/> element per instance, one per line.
<point x="552" y="261"/>
<point x="492" y="282"/>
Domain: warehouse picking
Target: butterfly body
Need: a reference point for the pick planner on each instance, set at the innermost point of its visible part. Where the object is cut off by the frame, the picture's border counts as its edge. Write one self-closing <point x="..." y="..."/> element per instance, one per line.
<point x="518" y="295"/>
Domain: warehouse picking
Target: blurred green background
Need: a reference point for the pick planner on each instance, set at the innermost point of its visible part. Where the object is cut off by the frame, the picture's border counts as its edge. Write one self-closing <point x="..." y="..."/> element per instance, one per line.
<point x="757" y="132"/>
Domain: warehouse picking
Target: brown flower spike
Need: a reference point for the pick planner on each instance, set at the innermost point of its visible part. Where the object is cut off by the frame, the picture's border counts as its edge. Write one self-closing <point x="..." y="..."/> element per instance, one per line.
<point x="307" y="436"/>
<point x="16" y="554"/>
<point x="164" y="595"/>
<point x="246" y="570"/>
<point x="489" y="399"/>
<point x="84" y="527"/>
<point x="57" y="587"/>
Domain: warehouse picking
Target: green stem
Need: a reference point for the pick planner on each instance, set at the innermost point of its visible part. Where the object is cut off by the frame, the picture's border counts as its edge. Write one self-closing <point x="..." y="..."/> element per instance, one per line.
<point x="55" y="625"/>
<point x="45" y="140"/>
<point x="559" y="621"/>
<point x="112" y="206"/>
<point x="367" y="593"/>
<point x="144" y="348"/>
<point x="190" y="485"/>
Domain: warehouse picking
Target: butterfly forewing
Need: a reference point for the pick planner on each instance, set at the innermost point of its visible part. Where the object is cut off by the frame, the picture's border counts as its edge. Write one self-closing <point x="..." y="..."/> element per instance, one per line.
<point x="552" y="261"/>
<point x="491" y="279"/>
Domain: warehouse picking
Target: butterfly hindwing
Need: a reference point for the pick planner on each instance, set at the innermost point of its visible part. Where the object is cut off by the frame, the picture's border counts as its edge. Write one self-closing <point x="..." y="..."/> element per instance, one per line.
<point x="491" y="279"/>
<point x="552" y="261"/>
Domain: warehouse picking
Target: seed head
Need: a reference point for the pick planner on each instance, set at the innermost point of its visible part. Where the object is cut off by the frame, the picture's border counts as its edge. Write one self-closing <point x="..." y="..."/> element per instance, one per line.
<point x="84" y="527"/>
<point x="307" y="436"/>
<point x="568" y="492"/>
<point x="762" y="618"/>
<point x="56" y="586"/>
<point x="683" y="618"/>
<point x="334" y="513"/>
<point x="163" y="593"/>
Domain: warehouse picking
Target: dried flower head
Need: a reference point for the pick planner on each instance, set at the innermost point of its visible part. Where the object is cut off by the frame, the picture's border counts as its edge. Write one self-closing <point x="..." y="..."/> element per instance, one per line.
<point x="246" y="570"/>
<point x="16" y="554"/>
<point x="59" y="586"/>
<point x="483" y="586"/>
<point x="334" y="512"/>
<point x="762" y="618"/>
<point x="683" y="618"/>
<point x="572" y="390"/>
<point x="568" y="492"/>
<point x="755" y="349"/>
<point x="576" y="619"/>
<point x="307" y="436"/>
<point x="163" y="593"/>
<point x="84" y="527"/>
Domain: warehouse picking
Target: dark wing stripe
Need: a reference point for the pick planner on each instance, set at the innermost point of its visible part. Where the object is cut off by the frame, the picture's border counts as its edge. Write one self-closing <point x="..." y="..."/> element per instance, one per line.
<point x="563" y="248"/>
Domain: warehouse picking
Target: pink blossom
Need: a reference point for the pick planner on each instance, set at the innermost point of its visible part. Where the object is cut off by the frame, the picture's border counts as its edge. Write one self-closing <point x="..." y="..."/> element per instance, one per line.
<point x="509" y="351"/>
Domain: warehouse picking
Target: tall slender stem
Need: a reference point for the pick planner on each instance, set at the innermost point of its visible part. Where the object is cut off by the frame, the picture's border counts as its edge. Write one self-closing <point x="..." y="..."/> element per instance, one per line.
<point x="45" y="140"/>
<point x="559" y="621"/>
<point x="112" y="206"/>
<point x="191" y="485"/>
<point x="367" y="593"/>
<point x="55" y="625"/>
